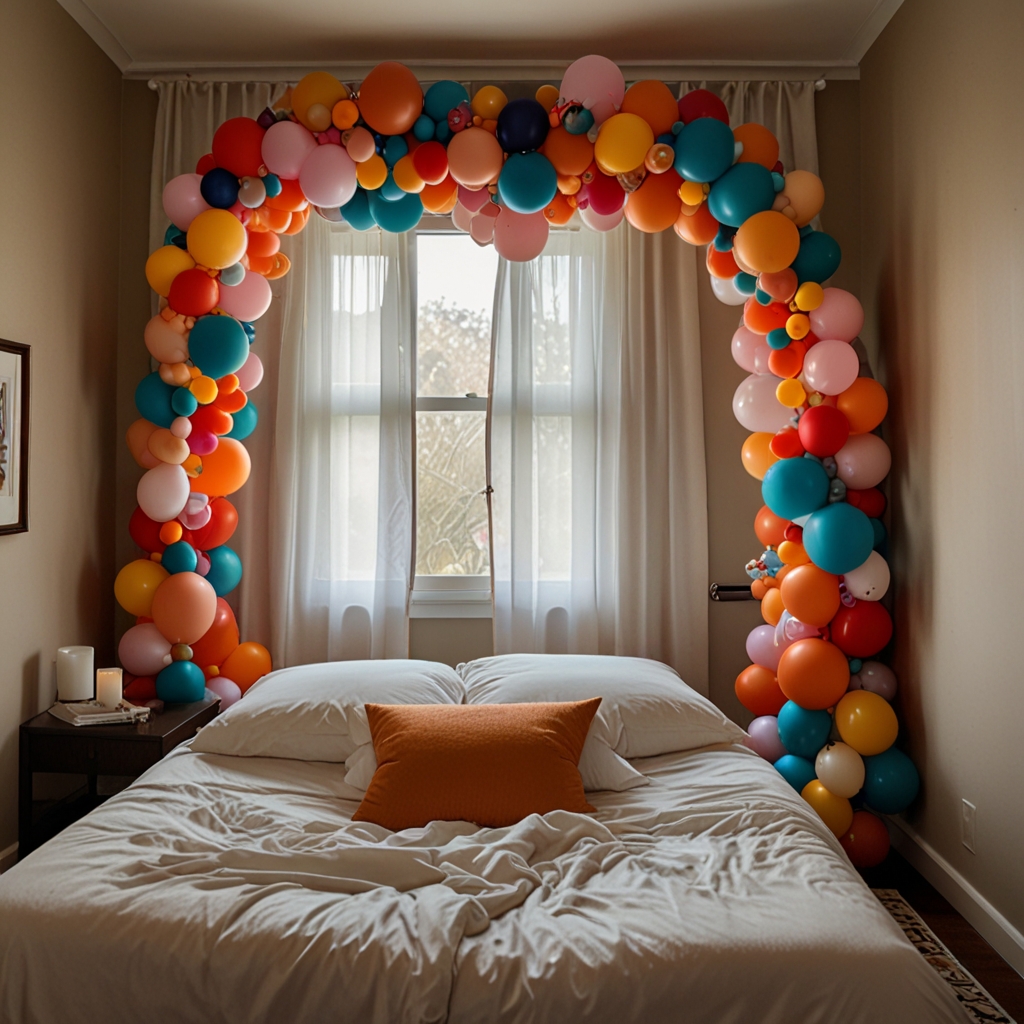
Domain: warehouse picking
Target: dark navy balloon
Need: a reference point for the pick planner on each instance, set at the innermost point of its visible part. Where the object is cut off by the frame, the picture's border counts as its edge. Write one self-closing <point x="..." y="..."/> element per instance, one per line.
<point x="219" y="188"/>
<point x="522" y="126"/>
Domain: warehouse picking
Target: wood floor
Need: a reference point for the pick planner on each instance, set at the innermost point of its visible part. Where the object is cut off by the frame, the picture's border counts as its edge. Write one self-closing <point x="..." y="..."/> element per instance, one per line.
<point x="1004" y="984"/>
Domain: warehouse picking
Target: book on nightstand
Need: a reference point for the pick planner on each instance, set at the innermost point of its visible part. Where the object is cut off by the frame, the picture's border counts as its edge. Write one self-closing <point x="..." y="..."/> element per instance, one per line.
<point x="92" y="712"/>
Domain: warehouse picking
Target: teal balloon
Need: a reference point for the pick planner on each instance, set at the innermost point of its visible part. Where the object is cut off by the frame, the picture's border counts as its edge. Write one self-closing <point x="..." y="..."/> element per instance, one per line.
<point x="182" y="682"/>
<point x="179" y="557"/>
<point x="394" y="149"/>
<point x="797" y="771"/>
<point x="528" y="182"/>
<point x="357" y="212"/>
<point x="890" y="781"/>
<point x="183" y="402"/>
<point x="878" y="528"/>
<point x="245" y="421"/>
<point x="442" y="97"/>
<point x="423" y="129"/>
<point x="795" y="487"/>
<point x="443" y="131"/>
<point x="175" y="236"/>
<point x="153" y="400"/>
<point x="225" y="570"/>
<point x="233" y="275"/>
<point x="838" y="538"/>
<point x="399" y="216"/>
<point x="746" y="284"/>
<point x="744" y="189"/>
<point x="819" y="257"/>
<point x="803" y="732"/>
<point x="218" y="345"/>
<point x="779" y="338"/>
<point x="390" y="190"/>
<point x="272" y="183"/>
<point x="704" y="150"/>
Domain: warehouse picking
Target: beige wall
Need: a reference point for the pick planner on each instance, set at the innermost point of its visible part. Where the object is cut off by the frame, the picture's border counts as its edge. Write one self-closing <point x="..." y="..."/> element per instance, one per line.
<point x="942" y="152"/>
<point x="58" y="293"/>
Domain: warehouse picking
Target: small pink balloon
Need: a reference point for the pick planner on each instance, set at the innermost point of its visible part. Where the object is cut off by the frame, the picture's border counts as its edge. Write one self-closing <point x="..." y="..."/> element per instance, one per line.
<point x="250" y="375"/>
<point x="461" y="217"/>
<point x="520" y="237"/>
<point x="202" y="564"/>
<point x="602" y="221"/>
<point x="481" y="229"/>
<point x="328" y="176"/>
<point x="746" y="346"/>
<point x="249" y="300"/>
<point x="763" y="738"/>
<point x="143" y="650"/>
<point x="228" y="691"/>
<point x="761" y="649"/>
<point x="839" y="316"/>
<point x="181" y="427"/>
<point x="361" y="145"/>
<point x="183" y="200"/>
<point x="474" y="200"/>
<point x="864" y="461"/>
<point x="831" y="366"/>
<point x="755" y="406"/>
<point x="202" y="442"/>
<point x="877" y="678"/>
<point x="285" y="146"/>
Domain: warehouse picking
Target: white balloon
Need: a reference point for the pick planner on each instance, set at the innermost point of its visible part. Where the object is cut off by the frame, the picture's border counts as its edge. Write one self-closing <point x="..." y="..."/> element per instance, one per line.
<point x="726" y="291"/>
<point x="163" y="492"/>
<point x="840" y="769"/>
<point x="755" y="406"/>
<point x="869" y="581"/>
<point x="601" y="221"/>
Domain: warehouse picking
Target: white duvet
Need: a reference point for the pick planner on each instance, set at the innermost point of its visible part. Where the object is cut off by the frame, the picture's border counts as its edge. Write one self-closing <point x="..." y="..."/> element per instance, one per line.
<point x="228" y="889"/>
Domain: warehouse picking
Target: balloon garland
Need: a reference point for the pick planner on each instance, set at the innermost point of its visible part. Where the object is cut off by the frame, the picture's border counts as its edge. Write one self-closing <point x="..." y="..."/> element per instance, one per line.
<point x="506" y="171"/>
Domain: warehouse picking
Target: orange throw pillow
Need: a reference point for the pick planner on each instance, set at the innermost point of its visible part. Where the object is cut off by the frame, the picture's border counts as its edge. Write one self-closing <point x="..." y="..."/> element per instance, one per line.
<point x="492" y="764"/>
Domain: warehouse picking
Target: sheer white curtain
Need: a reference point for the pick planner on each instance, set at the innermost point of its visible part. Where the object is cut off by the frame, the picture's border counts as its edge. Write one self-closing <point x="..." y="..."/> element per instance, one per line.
<point x="341" y="515"/>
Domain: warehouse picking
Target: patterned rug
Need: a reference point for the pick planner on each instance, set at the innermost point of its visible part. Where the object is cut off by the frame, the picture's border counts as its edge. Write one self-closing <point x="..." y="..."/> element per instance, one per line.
<point x="980" y="1006"/>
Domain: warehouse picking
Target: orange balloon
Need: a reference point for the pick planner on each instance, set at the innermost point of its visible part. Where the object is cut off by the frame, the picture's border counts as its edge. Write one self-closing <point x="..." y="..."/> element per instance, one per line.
<point x="474" y="157"/>
<point x="759" y="145"/>
<point x="835" y="811"/>
<point x="767" y="242"/>
<point x="864" y="403"/>
<point x="559" y="211"/>
<point x="184" y="607"/>
<point x="407" y="178"/>
<point x="792" y="554"/>
<point x="721" y="264"/>
<point x="290" y="198"/>
<point x="762" y="319"/>
<point x="813" y="673"/>
<point x="789" y="361"/>
<point x="758" y="690"/>
<point x="811" y="595"/>
<point x="757" y="456"/>
<point x="772" y="607"/>
<point x="770" y="528"/>
<point x="139" y="434"/>
<point x="440" y="198"/>
<point x="219" y="640"/>
<point x="655" y="205"/>
<point x="390" y="99"/>
<point x="224" y="470"/>
<point x="696" y="228"/>
<point x="245" y="664"/>
<point x="297" y="223"/>
<point x="758" y="588"/>
<point x="276" y="220"/>
<point x="569" y="154"/>
<point x="654" y="102"/>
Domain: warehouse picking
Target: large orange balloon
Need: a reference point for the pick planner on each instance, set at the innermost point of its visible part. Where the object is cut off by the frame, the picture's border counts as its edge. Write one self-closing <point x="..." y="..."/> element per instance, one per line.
<point x="184" y="607"/>
<point x="759" y="145"/>
<point x="224" y="470"/>
<point x="569" y="154"/>
<point x="219" y="640"/>
<point x="767" y="242"/>
<point x="655" y="205"/>
<point x="758" y="691"/>
<point x="653" y="101"/>
<point x="770" y="528"/>
<point x="813" y="673"/>
<point x="864" y="403"/>
<point x="245" y="664"/>
<point x="390" y="99"/>
<point x="440" y="198"/>
<point x="757" y="456"/>
<point x="810" y="594"/>
<point x="696" y="228"/>
<point x="474" y="157"/>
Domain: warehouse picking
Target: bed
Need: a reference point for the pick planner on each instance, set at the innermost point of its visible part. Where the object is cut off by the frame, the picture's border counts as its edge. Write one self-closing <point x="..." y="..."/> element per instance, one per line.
<point x="223" y="888"/>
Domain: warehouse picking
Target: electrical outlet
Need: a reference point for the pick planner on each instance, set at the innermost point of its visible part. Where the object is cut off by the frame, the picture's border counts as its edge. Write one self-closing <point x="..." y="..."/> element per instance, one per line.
<point x="967" y="825"/>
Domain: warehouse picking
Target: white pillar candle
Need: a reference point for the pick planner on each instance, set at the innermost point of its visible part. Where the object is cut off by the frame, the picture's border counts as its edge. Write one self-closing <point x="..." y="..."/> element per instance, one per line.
<point x="75" y="677"/>
<point x="108" y="687"/>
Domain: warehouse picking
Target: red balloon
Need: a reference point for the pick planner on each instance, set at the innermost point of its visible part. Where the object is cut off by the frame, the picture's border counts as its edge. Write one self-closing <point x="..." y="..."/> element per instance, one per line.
<point x="141" y="688"/>
<point x="145" y="531"/>
<point x="213" y="419"/>
<point x="205" y="164"/>
<point x="786" y="444"/>
<point x="867" y="842"/>
<point x="193" y="293"/>
<point x="863" y="630"/>
<point x="871" y="502"/>
<point x="603" y="193"/>
<point x="431" y="162"/>
<point x="214" y="646"/>
<point x="223" y="520"/>
<point x="238" y="146"/>
<point x="823" y="430"/>
<point x="701" y="103"/>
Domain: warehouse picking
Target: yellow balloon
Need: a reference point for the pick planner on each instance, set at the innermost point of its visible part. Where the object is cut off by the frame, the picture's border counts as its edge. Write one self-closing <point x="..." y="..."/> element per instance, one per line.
<point x="791" y="393"/>
<point x="136" y="584"/>
<point x="622" y="143"/>
<point x="792" y="553"/>
<point x="866" y="722"/>
<point x="165" y="264"/>
<point x="757" y="456"/>
<point x="489" y="102"/>
<point x="547" y="96"/>
<point x="798" y="326"/>
<point x="372" y="173"/>
<point x="318" y="88"/>
<point x="406" y="176"/>
<point x="810" y="295"/>
<point x="216" y="239"/>
<point x="204" y="389"/>
<point x="834" y="810"/>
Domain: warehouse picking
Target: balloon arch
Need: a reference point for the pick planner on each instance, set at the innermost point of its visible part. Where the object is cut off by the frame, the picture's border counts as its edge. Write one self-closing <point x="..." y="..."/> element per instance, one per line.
<point x="506" y="171"/>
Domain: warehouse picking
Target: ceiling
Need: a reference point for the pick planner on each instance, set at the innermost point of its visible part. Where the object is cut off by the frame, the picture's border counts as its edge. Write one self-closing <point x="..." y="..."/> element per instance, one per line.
<point x="536" y="38"/>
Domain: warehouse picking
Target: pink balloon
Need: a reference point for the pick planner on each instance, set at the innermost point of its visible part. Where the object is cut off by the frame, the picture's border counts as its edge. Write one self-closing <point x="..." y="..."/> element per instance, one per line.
<point x="745" y="348"/>
<point x="840" y="316"/>
<point x="520" y="237"/>
<point x="228" y="691"/>
<point x="328" y="176"/>
<point x="461" y="217"/>
<point x="481" y="229"/>
<point x="761" y="649"/>
<point x="473" y="200"/>
<point x="285" y="146"/>
<point x="183" y="201"/>
<point x="249" y="300"/>
<point x="877" y="678"/>
<point x="143" y="650"/>
<point x="202" y="442"/>
<point x="163" y="492"/>
<point x="602" y="221"/>
<point x="864" y="461"/>
<point x="250" y="375"/>
<point x="831" y="366"/>
<point x="763" y="738"/>
<point x="755" y="406"/>
<point x="596" y="83"/>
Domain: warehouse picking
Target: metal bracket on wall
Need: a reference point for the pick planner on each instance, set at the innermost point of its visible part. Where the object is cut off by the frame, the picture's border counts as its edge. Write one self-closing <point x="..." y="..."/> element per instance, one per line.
<point x="730" y="592"/>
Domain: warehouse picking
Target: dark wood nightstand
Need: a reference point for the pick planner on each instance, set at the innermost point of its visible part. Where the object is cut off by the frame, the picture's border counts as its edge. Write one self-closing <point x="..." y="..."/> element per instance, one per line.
<point x="46" y="744"/>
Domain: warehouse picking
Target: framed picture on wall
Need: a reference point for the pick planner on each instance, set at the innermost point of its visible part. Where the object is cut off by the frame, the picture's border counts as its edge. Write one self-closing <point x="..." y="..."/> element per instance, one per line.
<point x="14" y="395"/>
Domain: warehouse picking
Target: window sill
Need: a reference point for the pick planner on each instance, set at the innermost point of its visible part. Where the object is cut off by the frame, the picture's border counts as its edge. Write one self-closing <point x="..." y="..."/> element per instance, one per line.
<point x="450" y="604"/>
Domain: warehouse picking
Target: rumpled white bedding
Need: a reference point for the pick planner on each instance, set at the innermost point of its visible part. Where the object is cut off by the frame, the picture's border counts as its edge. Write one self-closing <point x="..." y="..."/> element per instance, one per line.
<point x="223" y="889"/>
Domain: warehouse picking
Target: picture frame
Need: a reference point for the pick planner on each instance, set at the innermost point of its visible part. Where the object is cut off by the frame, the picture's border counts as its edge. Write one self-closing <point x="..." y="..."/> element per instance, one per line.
<point x="14" y="425"/>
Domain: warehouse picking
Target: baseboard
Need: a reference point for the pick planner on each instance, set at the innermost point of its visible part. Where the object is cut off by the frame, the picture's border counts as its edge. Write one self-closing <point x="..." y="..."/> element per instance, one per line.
<point x="997" y="931"/>
<point x="8" y="857"/>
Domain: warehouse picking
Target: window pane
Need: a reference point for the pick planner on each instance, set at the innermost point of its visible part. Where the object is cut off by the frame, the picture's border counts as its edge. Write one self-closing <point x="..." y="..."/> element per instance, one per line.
<point x="455" y="294"/>
<point x="451" y="510"/>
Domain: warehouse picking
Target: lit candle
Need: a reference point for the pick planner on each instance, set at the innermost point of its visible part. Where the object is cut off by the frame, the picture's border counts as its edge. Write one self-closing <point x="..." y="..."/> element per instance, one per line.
<point x="74" y="673"/>
<point x="108" y="687"/>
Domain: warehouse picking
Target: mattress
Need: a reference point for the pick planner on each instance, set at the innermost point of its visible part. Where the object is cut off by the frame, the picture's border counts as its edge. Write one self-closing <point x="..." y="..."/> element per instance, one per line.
<point x="231" y="889"/>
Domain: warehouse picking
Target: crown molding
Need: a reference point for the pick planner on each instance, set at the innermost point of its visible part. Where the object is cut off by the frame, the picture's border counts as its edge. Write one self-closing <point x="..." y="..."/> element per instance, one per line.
<point x="98" y="32"/>
<point x="872" y="29"/>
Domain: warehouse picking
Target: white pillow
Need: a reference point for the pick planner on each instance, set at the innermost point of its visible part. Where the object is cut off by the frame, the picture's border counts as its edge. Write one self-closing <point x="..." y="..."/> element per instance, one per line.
<point x="307" y="712"/>
<point x="647" y="709"/>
